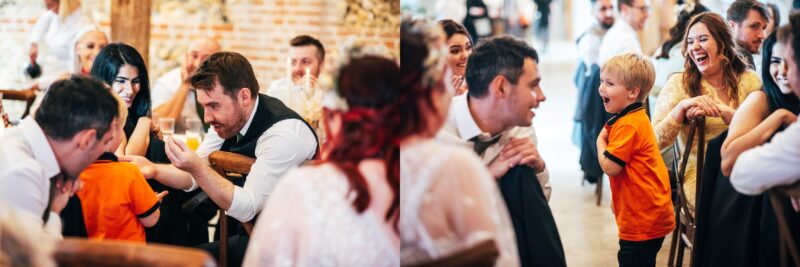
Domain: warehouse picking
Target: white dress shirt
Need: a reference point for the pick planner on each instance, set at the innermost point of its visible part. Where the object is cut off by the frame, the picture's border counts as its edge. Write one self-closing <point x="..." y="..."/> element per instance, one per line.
<point x="279" y="149"/>
<point x="621" y="38"/>
<point x="460" y="127"/>
<point x="55" y="39"/>
<point x="27" y="162"/>
<point x="165" y="88"/>
<point x="768" y="165"/>
<point x="589" y="45"/>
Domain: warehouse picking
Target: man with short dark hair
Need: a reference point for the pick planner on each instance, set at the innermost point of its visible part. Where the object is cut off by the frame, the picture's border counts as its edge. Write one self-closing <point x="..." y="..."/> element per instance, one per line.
<point x="40" y="159"/>
<point x="748" y="20"/>
<point x="304" y="65"/>
<point x="243" y="122"/>
<point x="494" y="118"/>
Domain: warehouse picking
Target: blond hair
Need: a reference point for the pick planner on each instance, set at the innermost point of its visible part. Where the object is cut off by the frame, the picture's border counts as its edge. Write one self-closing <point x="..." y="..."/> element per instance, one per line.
<point x="632" y="71"/>
<point x="67" y="7"/>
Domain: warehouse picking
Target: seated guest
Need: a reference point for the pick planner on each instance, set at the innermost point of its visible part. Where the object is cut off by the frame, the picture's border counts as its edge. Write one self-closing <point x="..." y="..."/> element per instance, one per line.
<point x="449" y="200"/>
<point x="495" y="119"/>
<point x="243" y="122"/>
<point x="117" y="202"/>
<point x="41" y="158"/>
<point x="122" y="68"/>
<point x="173" y="96"/>
<point x="762" y="112"/>
<point x="87" y="44"/>
<point x="777" y="162"/>
<point x="306" y="60"/>
<point x="748" y="20"/>
<point x="713" y="84"/>
<point x="629" y="155"/>
<point x="459" y="46"/>
<point x="349" y="202"/>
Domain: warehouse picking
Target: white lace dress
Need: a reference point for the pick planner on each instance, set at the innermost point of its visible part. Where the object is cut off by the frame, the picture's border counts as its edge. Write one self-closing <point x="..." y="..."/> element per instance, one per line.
<point x="309" y="221"/>
<point x="448" y="202"/>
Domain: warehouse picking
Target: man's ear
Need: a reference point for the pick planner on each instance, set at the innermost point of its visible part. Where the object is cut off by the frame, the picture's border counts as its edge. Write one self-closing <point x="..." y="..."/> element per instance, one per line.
<point x="498" y="86"/>
<point x="732" y="24"/>
<point x="84" y="139"/>
<point x="243" y="95"/>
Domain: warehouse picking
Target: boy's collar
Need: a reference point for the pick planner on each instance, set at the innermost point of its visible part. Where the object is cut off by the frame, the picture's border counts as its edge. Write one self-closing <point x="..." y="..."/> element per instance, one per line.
<point x="630" y="108"/>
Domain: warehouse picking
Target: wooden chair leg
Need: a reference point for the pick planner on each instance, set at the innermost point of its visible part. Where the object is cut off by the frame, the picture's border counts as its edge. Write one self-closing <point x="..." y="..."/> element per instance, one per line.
<point x="673" y="247"/>
<point x="599" y="190"/>
<point x="223" y="239"/>
<point x="681" y="248"/>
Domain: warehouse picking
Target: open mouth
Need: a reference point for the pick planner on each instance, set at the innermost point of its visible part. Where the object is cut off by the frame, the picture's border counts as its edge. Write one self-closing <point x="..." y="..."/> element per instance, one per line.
<point x="462" y="65"/>
<point x="605" y="99"/>
<point x="782" y="80"/>
<point x="701" y="59"/>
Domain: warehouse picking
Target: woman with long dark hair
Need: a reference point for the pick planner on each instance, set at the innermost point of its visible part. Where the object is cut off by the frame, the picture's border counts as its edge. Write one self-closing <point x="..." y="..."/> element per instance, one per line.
<point x="764" y="112"/>
<point x="345" y="208"/>
<point x="459" y="47"/>
<point x="122" y="68"/>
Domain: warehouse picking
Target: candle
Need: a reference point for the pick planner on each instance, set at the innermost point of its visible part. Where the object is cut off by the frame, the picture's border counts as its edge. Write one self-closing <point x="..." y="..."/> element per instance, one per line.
<point x="289" y="68"/>
<point x="307" y="81"/>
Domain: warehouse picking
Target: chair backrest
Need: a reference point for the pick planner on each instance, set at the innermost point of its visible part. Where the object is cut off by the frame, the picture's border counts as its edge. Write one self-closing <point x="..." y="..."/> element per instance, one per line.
<point x="84" y="252"/>
<point x="230" y="165"/>
<point x="21" y="95"/>
<point x="482" y="254"/>
<point x="777" y="196"/>
<point x="698" y="128"/>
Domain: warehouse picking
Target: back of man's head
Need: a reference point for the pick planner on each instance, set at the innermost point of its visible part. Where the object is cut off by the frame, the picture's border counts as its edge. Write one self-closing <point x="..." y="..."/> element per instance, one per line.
<point x="305" y="40"/>
<point x="738" y="10"/>
<point x="76" y="104"/>
<point x="502" y="55"/>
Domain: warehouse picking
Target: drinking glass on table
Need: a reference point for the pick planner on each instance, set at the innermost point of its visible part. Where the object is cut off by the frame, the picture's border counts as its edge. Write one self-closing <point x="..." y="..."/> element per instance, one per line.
<point x="194" y="130"/>
<point x="167" y="126"/>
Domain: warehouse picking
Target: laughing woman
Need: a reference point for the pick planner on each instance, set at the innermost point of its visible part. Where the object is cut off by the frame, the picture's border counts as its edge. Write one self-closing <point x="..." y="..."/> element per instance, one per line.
<point x="714" y="82"/>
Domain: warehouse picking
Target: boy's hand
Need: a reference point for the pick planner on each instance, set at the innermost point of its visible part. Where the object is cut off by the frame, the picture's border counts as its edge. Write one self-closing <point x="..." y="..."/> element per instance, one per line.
<point x="147" y="168"/>
<point x="161" y="195"/>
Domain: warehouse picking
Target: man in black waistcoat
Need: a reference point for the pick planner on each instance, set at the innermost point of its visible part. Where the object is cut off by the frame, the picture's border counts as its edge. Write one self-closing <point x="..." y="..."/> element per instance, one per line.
<point x="243" y="122"/>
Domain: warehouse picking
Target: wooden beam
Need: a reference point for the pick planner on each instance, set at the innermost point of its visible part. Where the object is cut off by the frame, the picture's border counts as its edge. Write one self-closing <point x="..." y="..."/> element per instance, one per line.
<point x="130" y="24"/>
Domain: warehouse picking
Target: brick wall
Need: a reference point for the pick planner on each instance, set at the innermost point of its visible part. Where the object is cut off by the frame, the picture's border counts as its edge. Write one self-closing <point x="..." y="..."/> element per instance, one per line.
<point x="259" y="29"/>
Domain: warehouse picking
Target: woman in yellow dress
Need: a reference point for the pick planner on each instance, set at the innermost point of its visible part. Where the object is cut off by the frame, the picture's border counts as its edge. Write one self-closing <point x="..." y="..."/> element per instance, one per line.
<point x="713" y="84"/>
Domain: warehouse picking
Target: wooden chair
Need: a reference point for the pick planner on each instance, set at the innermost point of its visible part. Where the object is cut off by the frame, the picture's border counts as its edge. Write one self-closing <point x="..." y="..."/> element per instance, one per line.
<point x="778" y="196"/>
<point x="83" y="252"/>
<point x="683" y="236"/>
<point x="231" y="166"/>
<point x="482" y="254"/>
<point x="21" y="95"/>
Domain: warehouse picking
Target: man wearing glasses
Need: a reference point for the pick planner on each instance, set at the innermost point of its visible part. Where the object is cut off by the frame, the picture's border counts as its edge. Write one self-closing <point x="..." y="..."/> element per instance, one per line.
<point x="622" y="37"/>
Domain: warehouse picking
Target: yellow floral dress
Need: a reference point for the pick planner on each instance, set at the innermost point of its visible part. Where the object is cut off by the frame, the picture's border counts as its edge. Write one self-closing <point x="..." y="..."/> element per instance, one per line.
<point x="667" y="129"/>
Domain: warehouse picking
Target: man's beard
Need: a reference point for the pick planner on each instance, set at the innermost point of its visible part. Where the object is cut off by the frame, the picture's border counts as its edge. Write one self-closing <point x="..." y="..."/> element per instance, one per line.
<point x="232" y="129"/>
<point x="606" y="26"/>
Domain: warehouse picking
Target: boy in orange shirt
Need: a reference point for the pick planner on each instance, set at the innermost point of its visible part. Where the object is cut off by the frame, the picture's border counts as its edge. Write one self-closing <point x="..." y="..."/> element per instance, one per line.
<point x="629" y="155"/>
<point x="116" y="200"/>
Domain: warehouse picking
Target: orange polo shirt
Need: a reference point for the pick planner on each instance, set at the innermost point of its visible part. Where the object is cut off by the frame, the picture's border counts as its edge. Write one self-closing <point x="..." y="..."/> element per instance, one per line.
<point x="113" y="197"/>
<point x="640" y="193"/>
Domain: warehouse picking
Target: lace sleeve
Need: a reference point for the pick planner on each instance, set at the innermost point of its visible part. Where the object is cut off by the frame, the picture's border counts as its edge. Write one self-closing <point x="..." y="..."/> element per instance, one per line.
<point x="665" y="127"/>
<point x="463" y="206"/>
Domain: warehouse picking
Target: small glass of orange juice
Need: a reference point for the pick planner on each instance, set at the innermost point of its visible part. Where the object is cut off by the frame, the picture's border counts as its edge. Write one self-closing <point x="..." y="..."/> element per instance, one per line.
<point x="194" y="129"/>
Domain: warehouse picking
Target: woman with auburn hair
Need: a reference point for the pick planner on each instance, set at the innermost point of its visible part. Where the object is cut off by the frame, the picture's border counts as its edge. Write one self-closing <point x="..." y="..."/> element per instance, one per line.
<point x="714" y="83"/>
<point x="450" y="201"/>
<point x="344" y="209"/>
<point x="459" y="47"/>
